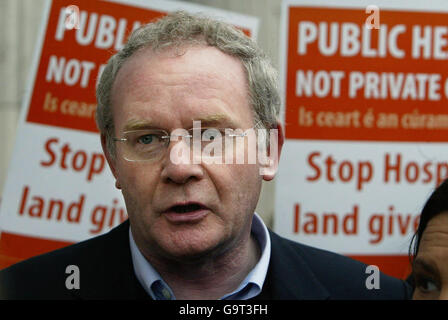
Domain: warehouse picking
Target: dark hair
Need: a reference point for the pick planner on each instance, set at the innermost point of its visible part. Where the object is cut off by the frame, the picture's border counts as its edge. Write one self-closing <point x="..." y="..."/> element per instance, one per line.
<point x="436" y="204"/>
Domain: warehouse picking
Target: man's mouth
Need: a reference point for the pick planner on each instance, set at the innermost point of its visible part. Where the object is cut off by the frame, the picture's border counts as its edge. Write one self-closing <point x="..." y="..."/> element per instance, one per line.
<point x="186" y="208"/>
<point x="186" y="212"/>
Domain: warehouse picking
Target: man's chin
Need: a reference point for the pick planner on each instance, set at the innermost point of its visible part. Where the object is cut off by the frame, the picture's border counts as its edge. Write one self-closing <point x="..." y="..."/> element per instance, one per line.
<point x="194" y="251"/>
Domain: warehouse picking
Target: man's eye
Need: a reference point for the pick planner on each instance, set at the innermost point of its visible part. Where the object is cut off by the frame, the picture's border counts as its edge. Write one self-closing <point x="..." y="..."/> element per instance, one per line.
<point x="211" y="134"/>
<point x="146" y="139"/>
<point x="427" y="285"/>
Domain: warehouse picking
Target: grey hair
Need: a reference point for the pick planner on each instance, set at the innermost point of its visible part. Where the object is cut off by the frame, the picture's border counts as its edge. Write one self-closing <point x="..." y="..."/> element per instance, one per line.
<point x="181" y="28"/>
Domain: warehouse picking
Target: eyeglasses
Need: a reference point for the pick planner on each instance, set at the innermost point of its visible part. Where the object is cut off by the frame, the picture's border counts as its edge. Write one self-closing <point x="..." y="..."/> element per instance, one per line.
<point x="151" y="144"/>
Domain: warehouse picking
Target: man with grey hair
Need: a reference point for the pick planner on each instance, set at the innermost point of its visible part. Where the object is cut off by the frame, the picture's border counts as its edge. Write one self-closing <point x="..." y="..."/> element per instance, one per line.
<point x="192" y="231"/>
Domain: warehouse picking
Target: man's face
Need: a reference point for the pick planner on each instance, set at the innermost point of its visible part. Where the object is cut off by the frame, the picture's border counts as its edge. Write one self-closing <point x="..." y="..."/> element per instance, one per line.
<point x="168" y="91"/>
<point x="430" y="266"/>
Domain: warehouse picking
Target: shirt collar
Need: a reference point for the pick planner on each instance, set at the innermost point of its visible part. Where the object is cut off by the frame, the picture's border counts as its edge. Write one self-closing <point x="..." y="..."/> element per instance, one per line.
<point x="250" y="287"/>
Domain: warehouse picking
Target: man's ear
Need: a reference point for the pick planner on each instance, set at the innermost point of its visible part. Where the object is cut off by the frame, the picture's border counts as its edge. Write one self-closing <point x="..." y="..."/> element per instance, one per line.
<point x="110" y="160"/>
<point x="276" y="138"/>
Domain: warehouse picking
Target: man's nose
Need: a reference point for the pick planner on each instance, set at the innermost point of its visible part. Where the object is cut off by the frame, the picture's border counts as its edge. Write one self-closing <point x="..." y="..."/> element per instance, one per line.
<point x="178" y="164"/>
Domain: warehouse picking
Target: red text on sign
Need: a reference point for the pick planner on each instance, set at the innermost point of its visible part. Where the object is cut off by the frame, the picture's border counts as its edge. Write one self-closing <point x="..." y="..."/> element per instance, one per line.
<point x="67" y="159"/>
<point x="344" y="171"/>
<point x="397" y="170"/>
<point x="102" y="214"/>
<point x="35" y="206"/>
<point x="325" y="223"/>
<point x="381" y="224"/>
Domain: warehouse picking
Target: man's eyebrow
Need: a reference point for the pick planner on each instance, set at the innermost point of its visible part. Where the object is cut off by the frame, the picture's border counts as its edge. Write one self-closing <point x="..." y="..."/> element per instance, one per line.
<point x="216" y="120"/>
<point x="206" y="121"/>
<point x="426" y="266"/>
<point x="137" y="125"/>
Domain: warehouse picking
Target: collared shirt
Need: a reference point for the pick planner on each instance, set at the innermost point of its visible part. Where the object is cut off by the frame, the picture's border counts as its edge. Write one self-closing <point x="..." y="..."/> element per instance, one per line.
<point x="250" y="287"/>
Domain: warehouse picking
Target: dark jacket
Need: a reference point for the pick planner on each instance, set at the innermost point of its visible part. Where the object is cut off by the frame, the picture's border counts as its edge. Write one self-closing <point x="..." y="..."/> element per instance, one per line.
<point x="295" y="271"/>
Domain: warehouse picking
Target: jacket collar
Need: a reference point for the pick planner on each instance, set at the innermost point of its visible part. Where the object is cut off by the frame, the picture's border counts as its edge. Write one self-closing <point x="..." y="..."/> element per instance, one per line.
<point x="112" y="276"/>
<point x="289" y="276"/>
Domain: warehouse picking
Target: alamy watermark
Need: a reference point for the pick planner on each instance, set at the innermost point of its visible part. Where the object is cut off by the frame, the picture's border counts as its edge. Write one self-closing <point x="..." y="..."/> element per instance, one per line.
<point x="74" y="278"/>
<point x="373" y="20"/>
<point x="225" y="146"/>
<point x="373" y="280"/>
<point x="71" y="17"/>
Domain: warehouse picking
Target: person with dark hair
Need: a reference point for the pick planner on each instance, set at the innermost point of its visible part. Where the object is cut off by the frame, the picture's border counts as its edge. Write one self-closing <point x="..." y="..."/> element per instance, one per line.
<point x="429" y="248"/>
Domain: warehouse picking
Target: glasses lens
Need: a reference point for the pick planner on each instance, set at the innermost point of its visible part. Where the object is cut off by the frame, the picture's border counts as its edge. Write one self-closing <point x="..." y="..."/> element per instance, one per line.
<point x="212" y="142"/>
<point x="141" y="145"/>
